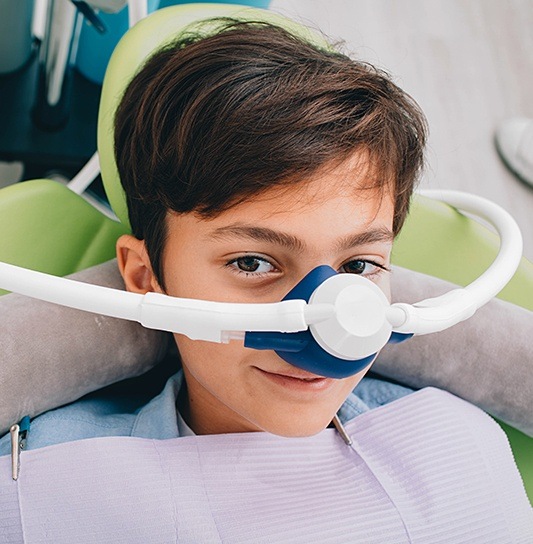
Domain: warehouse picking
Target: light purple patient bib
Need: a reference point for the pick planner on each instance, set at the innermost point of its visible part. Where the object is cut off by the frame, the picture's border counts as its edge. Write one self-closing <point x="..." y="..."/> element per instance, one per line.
<point x="428" y="468"/>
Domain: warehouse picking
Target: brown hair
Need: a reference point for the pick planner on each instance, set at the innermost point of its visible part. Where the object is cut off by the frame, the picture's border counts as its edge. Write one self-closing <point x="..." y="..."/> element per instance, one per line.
<point x="212" y="120"/>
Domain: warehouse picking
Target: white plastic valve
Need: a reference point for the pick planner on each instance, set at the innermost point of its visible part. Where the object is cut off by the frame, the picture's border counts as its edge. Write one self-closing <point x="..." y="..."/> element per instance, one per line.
<point x="359" y="326"/>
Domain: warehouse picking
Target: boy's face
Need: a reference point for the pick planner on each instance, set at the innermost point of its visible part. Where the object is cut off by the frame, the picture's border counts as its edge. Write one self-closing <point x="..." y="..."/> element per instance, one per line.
<point x="257" y="252"/>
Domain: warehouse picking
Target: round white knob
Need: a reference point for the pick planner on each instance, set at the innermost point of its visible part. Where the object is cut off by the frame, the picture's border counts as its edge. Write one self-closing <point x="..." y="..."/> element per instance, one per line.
<point x="359" y="326"/>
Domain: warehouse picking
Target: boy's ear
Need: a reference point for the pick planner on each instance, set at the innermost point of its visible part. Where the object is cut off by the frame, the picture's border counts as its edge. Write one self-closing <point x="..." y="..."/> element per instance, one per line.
<point x="134" y="265"/>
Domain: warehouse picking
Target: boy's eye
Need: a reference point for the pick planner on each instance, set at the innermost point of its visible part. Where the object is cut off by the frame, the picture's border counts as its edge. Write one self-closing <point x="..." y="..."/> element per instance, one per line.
<point x="362" y="267"/>
<point x="250" y="264"/>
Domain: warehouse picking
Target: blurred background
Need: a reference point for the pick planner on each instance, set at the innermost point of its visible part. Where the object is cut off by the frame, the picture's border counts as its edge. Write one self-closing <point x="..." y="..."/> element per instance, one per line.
<point x="468" y="63"/>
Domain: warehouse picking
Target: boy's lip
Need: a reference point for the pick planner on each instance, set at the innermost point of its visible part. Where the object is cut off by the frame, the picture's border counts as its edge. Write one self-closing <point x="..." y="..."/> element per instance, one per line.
<point x="297" y="379"/>
<point x="297" y="374"/>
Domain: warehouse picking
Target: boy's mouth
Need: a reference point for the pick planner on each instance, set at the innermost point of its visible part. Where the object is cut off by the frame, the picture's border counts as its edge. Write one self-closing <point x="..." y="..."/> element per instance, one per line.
<point x="297" y="379"/>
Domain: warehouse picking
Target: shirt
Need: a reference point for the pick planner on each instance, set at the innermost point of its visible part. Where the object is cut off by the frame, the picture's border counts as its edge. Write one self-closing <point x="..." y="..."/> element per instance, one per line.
<point x="98" y="415"/>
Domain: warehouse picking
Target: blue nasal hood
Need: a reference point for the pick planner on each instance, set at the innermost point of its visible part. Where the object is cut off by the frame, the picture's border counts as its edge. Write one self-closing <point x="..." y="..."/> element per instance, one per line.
<point x="300" y="349"/>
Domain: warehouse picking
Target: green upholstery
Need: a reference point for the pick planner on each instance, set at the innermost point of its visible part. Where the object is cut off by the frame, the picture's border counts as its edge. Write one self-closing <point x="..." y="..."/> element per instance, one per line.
<point x="46" y="227"/>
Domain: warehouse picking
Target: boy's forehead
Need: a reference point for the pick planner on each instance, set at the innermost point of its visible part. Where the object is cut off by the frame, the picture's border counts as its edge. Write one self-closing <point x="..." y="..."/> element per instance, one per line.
<point x="335" y="203"/>
<point x="354" y="182"/>
<point x="356" y="177"/>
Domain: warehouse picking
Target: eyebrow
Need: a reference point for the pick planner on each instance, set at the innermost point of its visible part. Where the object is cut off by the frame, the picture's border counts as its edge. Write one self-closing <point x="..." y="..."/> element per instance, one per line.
<point x="260" y="234"/>
<point x="372" y="236"/>
<point x="265" y="234"/>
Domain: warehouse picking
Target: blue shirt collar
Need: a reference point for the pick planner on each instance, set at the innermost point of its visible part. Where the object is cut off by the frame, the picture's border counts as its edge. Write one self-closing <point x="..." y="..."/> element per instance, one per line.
<point x="158" y="418"/>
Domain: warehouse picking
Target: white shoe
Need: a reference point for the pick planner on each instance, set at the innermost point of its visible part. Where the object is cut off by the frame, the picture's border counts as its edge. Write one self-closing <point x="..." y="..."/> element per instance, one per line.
<point x="514" y="141"/>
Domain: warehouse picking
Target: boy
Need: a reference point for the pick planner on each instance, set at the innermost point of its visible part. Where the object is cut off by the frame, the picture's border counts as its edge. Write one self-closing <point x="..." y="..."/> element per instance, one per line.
<point x="306" y="158"/>
<point x="249" y="157"/>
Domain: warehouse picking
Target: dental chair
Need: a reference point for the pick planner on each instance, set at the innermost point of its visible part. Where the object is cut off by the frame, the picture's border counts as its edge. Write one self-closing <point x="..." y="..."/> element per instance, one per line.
<point x="47" y="227"/>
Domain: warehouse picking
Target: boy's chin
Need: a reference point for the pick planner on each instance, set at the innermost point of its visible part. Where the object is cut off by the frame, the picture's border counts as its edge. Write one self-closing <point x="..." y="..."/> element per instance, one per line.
<point x="298" y="427"/>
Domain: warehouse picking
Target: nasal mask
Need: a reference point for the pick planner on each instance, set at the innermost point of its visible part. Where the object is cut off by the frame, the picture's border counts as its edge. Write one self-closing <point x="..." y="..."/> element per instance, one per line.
<point x="329" y="324"/>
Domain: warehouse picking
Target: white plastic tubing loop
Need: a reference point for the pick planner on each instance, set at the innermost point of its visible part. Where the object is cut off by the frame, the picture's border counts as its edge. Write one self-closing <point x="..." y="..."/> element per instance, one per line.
<point x="439" y="313"/>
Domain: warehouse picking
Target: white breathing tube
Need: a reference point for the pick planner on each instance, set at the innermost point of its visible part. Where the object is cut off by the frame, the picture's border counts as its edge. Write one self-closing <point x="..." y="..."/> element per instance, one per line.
<point x="373" y="318"/>
<point x="439" y="313"/>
